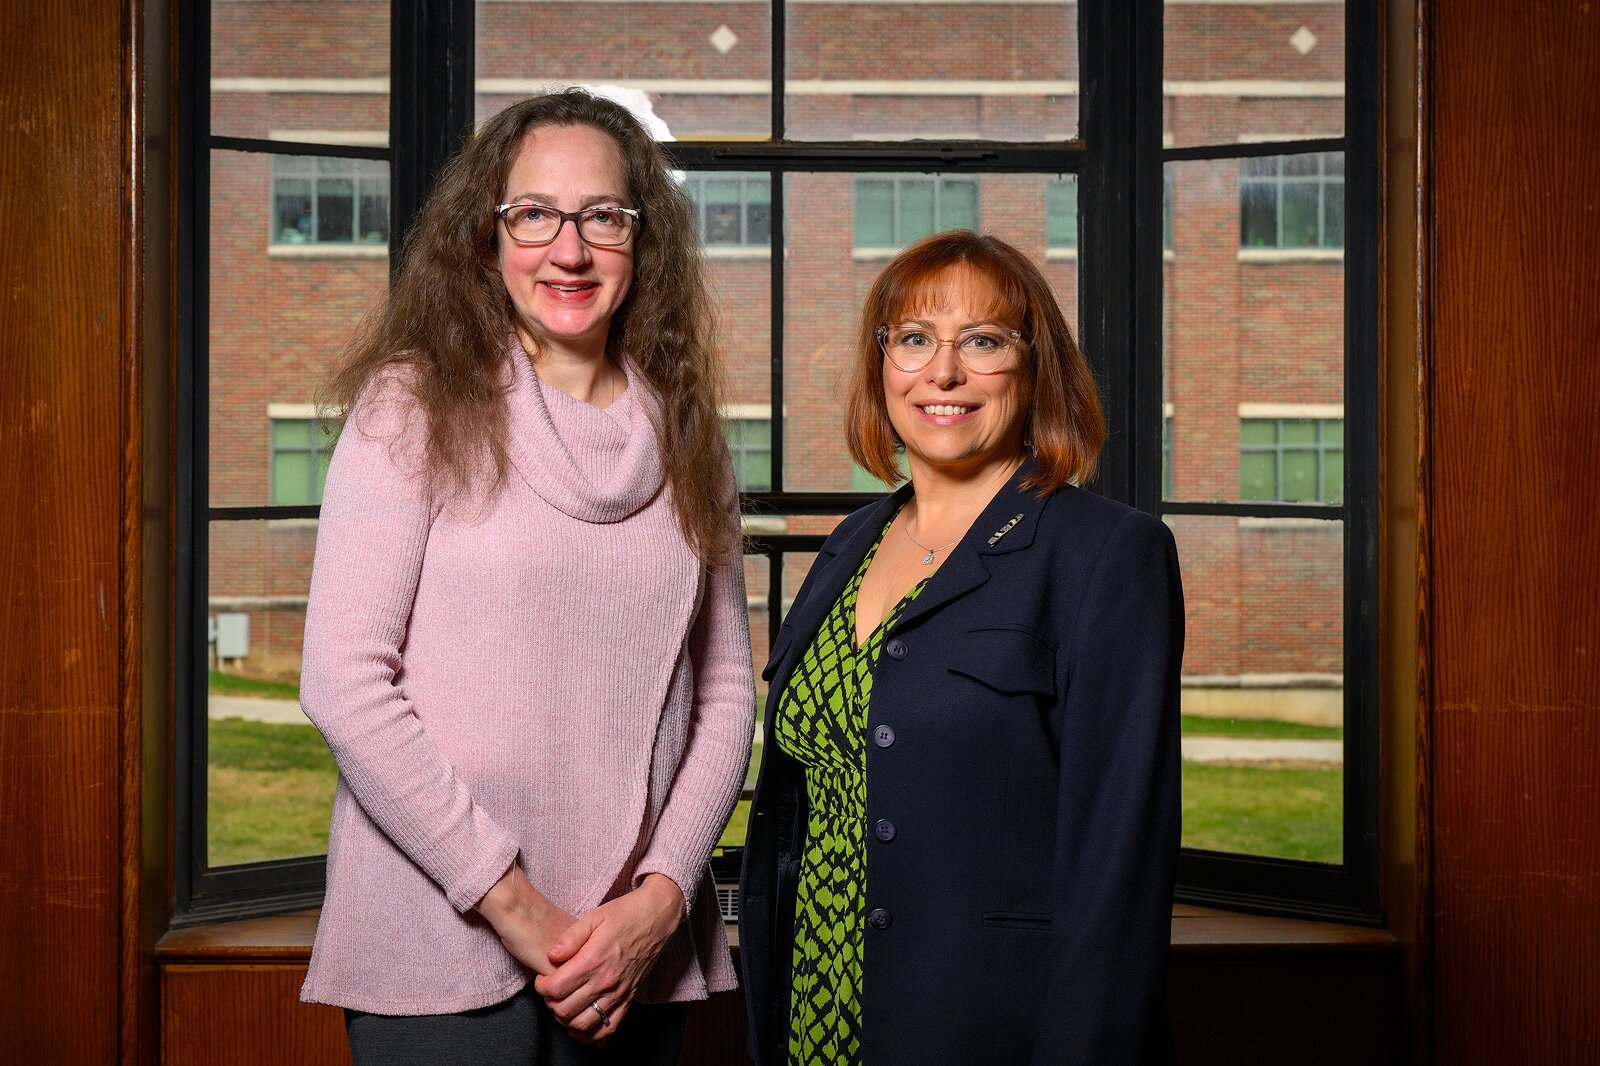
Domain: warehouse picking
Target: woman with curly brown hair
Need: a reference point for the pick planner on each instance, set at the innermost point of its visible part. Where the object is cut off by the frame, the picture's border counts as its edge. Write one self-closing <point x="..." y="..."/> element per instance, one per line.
<point x="526" y="642"/>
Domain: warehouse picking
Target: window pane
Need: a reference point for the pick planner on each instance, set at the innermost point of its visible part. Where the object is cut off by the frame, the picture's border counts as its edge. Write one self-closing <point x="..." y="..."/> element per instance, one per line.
<point x="701" y="71"/>
<point x="291" y="199"/>
<point x="1002" y="71"/>
<point x="1238" y="72"/>
<point x="833" y="262"/>
<point x="1299" y="476"/>
<point x="335" y="210"/>
<point x="914" y="211"/>
<point x="279" y="315"/>
<point x="1333" y="214"/>
<point x="1251" y="338"/>
<point x="373" y="221"/>
<point x="1301" y="212"/>
<point x="1298" y="431"/>
<point x="1333" y="476"/>
<point x="269" y="781"/>
<point x="958" y="205"/>
<point x="1263" y="685"/>
<point x="1258" y="476"/>
<point x="304" y="72"/>
<point x="874" y="213"/>
<point x="1258" y="218"/>
<point x="1061" y="212"/>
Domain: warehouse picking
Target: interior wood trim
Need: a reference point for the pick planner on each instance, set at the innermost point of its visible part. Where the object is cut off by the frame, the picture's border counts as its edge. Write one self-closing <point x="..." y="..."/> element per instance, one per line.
<point x="1197" y="932"/>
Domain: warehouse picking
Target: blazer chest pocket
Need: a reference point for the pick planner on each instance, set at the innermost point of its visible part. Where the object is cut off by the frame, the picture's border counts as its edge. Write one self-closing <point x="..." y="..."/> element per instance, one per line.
<point x="1010" y="661"/>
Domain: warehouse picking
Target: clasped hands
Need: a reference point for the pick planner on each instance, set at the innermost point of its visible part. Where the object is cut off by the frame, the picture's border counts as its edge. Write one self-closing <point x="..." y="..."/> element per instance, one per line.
<point x="598" y="958"/>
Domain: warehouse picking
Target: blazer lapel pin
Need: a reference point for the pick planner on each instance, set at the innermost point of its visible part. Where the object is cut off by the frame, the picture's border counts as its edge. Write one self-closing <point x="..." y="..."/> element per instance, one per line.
<point x="1003" y="530"/>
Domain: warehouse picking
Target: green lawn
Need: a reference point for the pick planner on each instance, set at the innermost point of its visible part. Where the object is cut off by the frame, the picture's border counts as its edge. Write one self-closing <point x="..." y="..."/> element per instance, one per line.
<point x="235" y="685"/>
<point x="1195" y="725"/>
<point x="1289" y="813"/>
<point x="271" y="789"/>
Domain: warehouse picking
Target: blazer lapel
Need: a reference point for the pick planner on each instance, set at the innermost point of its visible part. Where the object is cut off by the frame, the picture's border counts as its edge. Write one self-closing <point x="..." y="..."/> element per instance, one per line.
<point x="1006" y="525"/>
<point x="831" y="572"/>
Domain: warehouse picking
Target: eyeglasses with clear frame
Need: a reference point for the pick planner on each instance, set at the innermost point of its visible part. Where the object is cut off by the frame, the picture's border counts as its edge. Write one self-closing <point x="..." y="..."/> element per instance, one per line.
<point x="981" y="349"/>
<point x="602" y="227"/>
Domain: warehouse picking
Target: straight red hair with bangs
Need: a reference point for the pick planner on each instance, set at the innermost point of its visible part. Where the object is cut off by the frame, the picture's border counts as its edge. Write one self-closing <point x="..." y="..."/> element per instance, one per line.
<point x="1062" y="401"/>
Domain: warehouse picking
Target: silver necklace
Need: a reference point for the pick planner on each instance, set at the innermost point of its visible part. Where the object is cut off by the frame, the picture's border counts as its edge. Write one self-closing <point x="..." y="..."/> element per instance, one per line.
<point x="927" y="552"/>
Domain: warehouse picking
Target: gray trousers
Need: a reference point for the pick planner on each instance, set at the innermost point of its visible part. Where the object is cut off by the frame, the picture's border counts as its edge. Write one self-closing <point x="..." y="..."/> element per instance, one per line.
<point x="519" y="1032"/>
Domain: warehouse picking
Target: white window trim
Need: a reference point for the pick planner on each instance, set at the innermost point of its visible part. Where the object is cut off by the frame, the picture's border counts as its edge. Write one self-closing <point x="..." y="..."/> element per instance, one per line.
<point x="328" y="251"/>
<point x="748" y="411"/>
<point x="1291" y="255"/>
<point x="298" y="411"/>
<point x="357" y="138"/>
<point x="1291" y="410"/>
<point x="737" y="251"/>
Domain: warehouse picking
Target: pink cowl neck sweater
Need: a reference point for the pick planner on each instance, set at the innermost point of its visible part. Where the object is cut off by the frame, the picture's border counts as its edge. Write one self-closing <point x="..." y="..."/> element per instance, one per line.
<point x="547" y="677"/>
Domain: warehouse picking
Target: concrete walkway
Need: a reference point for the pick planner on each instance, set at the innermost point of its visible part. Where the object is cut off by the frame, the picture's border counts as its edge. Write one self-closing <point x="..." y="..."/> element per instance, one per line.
<point x="253" y="709"/>
<point x="1256" y="749"/>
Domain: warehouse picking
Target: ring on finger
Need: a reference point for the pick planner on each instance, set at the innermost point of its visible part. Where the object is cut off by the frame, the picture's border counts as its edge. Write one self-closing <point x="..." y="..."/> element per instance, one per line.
<point x="605" y="1015"/>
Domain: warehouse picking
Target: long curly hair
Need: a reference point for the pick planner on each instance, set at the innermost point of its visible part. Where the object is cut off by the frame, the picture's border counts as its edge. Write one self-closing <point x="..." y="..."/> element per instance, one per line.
<point x="448" y="317"/>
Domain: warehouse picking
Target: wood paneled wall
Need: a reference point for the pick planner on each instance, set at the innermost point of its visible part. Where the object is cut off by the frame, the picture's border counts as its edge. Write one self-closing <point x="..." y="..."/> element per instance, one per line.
<point x="1511" y="468"/>
<point x="70" y="316"/>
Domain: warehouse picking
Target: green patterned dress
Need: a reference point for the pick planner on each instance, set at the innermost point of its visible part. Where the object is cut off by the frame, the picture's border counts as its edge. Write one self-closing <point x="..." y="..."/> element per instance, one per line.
<point x="822" y="724"/>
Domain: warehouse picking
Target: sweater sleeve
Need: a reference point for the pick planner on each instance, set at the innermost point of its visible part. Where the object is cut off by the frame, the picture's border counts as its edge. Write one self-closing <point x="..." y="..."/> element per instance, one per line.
<point x="722" y="723"/>
<point x="1117" y="841"/>
<point x="371" y="540"/>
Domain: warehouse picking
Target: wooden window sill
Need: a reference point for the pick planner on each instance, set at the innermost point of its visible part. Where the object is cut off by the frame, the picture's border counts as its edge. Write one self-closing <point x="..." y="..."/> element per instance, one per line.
<point x="1198" y="934"/>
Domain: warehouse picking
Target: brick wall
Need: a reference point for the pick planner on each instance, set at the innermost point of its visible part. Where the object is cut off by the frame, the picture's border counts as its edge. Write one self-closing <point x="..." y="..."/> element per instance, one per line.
<point x="1263" y="597"/>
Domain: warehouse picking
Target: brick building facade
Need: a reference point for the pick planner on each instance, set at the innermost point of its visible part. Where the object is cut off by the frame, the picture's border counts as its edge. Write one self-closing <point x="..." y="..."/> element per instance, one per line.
<point x="1253" y="330"/>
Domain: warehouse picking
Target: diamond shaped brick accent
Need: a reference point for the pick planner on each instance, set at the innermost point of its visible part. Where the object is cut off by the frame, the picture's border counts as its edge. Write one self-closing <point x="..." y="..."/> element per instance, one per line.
<point x="1303" y="40"/>
<point x="723" y="39"/>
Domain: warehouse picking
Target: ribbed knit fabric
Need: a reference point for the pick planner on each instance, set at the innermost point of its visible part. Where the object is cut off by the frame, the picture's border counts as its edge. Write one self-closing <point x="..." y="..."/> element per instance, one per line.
<point x="548" y="676"/>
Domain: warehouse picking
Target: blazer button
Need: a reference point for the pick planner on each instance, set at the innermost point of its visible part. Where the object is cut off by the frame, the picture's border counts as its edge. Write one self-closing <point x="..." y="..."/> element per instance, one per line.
<point x="879" y="918"/>
<point x="885" y="829"/>
<point x="897" y="649"/>
<point x="883" y="736"/>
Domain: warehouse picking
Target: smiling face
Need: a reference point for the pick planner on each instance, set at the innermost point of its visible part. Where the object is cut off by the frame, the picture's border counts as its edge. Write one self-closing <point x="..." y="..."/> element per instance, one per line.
<point x="566" y="292"/>
<point x="954" y="422"/>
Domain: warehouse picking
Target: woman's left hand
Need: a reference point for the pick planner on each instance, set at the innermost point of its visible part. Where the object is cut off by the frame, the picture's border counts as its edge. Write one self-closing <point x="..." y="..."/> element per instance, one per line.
<point x="602" y="957"/>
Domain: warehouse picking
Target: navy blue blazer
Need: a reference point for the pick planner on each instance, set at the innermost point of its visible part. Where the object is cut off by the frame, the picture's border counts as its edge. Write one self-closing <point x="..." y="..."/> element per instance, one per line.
<point x="1022" y="795"/>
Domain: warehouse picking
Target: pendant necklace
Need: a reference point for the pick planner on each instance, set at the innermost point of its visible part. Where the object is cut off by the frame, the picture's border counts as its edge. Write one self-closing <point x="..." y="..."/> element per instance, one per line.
<point x="927" y="552"/>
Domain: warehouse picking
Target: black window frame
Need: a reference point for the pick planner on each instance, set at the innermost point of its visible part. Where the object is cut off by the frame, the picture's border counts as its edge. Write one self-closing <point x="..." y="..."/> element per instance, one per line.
<point x="1118" y="160"/>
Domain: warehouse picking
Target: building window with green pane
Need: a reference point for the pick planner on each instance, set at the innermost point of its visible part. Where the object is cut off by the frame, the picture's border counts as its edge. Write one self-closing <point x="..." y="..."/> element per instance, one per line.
<point x="892" y="211"/>
<point x="300" y="452"/>
<point x="1061" y="212"/>
<point x="750" y="442"/>
<point x="1291" y="460"/>
<point x="1292" y="201"/>
<point x="322" y="200"/>
<point x="733" y="210"/>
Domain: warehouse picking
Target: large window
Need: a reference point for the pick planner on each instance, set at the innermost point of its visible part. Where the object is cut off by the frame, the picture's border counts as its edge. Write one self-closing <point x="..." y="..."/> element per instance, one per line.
<point x="809" y="162"/>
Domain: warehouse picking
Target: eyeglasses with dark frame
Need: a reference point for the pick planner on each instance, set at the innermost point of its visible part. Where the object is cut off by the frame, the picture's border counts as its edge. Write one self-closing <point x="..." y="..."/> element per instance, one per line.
<point x="602" y="227"/>
<point x="981" y="349"/>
